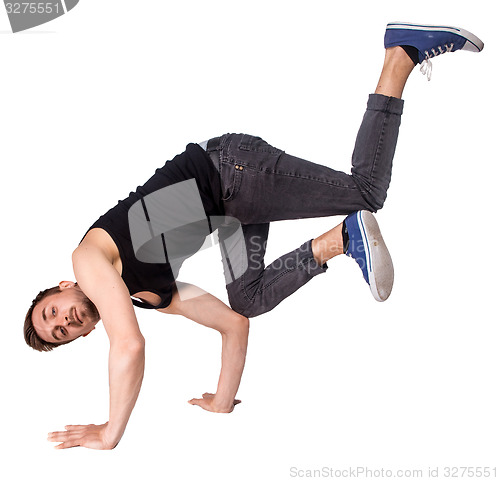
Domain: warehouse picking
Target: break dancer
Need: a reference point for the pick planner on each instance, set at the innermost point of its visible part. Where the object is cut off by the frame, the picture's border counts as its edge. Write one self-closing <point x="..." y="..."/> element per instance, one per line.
<point x="235" y="184"/>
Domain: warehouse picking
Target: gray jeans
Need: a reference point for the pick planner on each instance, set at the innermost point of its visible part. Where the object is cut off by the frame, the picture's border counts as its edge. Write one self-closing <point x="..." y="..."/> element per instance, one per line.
<point x="262" y="184"/>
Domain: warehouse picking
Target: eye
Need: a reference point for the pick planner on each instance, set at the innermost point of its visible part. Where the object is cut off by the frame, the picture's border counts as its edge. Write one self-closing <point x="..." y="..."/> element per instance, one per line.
<point x="63" y="331"/>
<point x="54" y="311"/>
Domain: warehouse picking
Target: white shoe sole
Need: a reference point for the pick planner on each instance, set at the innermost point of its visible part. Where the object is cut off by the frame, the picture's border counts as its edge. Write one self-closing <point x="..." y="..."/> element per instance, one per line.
<point x="380" y="268"/>
<point x="473" y="44"/>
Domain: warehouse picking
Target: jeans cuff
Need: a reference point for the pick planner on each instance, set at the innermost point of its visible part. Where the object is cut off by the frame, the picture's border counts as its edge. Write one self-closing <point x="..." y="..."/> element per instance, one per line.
<point x="307" y="260"/>
<point x="383" y="103"/>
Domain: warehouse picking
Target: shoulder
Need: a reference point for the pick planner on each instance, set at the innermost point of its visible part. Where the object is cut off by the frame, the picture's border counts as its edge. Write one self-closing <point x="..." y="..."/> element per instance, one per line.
<point x="97" y="241"/>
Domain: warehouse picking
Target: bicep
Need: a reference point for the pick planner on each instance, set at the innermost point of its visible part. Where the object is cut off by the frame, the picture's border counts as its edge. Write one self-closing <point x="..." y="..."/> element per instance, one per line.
<point x="204" y="308"/>
<point x="102" y="284"/>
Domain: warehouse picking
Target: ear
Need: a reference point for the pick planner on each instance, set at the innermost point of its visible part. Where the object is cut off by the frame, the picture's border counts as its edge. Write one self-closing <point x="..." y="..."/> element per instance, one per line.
<point x="66" y="284"/>
<point x="84" y="335"/>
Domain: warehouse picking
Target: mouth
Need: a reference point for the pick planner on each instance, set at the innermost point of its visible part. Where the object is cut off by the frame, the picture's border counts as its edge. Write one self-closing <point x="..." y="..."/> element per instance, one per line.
<point x="75" y="315"/>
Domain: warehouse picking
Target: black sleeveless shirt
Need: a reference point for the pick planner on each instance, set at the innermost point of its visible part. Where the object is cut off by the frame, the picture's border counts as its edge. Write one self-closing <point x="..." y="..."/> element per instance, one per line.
<point x="159" y="278"/>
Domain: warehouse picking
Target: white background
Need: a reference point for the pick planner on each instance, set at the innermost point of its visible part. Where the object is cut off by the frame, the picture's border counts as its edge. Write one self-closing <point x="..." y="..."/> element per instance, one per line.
<point x="94" y="101"/>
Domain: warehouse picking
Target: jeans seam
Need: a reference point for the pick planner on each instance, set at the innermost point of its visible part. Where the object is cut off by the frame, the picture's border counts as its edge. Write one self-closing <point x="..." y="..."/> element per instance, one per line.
<point x="378" y="151"/>
<point x="314" y="180"/>
<point x="242" y="282"/>
<point x="299" y="265"/>
<point x="276" y="278"/>
<point x="284" y="174"/>
<point x="273" y="281"/>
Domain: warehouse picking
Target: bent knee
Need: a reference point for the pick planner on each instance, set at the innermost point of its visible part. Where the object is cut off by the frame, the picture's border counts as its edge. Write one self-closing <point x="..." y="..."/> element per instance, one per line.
<point x="372" y="195"/>
<point x="373" y="201"/>
<point x="244" y="306"/>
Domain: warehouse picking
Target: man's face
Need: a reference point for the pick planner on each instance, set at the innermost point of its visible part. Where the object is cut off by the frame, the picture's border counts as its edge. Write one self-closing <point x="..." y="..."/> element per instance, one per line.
<point x="66" y="315"/>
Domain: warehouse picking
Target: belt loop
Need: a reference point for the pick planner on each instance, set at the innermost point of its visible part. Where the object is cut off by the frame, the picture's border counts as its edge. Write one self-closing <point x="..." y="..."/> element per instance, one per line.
<point x="214" y="147"/>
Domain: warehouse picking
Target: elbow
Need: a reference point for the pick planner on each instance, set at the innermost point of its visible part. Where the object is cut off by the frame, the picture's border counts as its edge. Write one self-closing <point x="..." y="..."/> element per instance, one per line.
<point x="137" y="346"/>
<point x="133" y="347"/>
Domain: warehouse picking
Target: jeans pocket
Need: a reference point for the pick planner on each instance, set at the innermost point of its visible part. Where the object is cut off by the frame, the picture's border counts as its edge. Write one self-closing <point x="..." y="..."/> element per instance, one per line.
<point x="230" y="179"/>
<point x="256" y="144"/>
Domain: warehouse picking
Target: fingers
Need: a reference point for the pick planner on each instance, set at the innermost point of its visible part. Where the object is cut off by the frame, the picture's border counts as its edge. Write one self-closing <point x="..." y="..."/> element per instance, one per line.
<point x="88" y="436"/>
<point x="62" y="435"/>
<point x="69" y="439"/>
<point x="66" y="445"/>
<point x="208" y="397"/>
<point x="206" y="403"/>
<point x="72" y="428"/>
<point x="199" y="401"/>
<point x="57" y="436"/>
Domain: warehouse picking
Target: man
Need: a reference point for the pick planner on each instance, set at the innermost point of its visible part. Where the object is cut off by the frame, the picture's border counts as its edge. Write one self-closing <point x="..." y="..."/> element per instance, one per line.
<point x="236" y="184"/>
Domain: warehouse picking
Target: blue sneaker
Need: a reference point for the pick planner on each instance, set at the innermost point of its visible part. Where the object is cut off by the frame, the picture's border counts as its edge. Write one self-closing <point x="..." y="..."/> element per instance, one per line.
<point x="430" y="40"/>
<point x="368" y="248"/>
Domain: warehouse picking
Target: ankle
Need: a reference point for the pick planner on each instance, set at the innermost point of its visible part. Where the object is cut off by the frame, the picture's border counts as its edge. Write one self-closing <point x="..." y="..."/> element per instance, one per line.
<point x="396" y="58"/>
<point x="327" y="246"/>
<point x="397" y="68"/>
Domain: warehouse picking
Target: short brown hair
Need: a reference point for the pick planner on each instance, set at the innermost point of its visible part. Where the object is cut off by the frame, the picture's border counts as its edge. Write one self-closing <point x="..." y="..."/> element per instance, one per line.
<point x="30" y="335"/>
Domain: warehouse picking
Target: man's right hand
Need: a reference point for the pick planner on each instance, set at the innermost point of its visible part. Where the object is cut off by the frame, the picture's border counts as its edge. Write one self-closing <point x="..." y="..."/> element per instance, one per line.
<point x="88" y="436"/>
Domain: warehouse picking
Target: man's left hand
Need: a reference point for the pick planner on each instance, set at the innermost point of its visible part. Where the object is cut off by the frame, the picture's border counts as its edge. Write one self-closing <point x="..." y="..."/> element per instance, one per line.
<point x="210" y="403"/>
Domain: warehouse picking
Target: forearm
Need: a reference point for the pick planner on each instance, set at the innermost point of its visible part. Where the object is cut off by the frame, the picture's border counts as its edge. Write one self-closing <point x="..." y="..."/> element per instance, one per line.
<point x="126" y="371"/>
<point x="209" y="311"/>
<point x="234" y="349"/>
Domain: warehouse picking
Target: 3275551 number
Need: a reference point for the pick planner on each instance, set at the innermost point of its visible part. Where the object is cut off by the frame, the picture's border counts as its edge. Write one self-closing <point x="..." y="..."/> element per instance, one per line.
<point x="32" y="7"/>
<point x="469" y="472"/>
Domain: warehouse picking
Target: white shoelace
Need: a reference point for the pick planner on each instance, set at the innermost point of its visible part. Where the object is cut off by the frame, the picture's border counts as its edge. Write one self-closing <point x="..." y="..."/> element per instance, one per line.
<point x="426" y="67"/>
